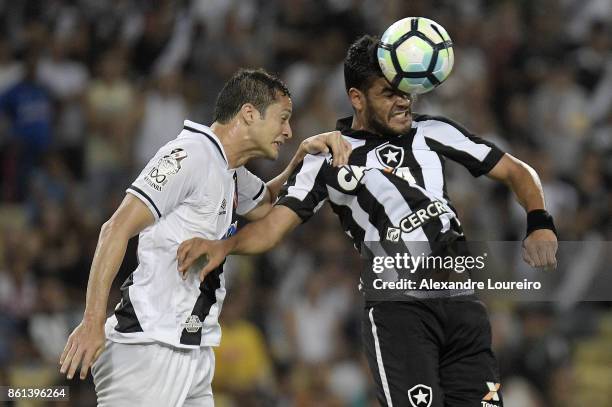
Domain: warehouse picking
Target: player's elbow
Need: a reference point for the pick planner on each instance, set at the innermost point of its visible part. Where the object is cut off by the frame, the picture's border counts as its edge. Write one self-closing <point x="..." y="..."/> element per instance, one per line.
<point x="520" y="172"/>
<point x="512" y="171"/>
<point x="113" y="229"/>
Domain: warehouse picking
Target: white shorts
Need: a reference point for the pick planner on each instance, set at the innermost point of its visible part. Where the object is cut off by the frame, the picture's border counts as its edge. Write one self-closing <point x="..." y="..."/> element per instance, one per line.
<point x="153" y="374"/>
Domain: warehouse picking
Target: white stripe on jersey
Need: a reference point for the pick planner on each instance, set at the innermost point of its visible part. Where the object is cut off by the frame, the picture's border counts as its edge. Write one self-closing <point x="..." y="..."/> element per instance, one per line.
<point x="306" y="177"/>
<point x="384" y="191"/>
<point x="453" y="138"/>
<point x="431" y="166"/>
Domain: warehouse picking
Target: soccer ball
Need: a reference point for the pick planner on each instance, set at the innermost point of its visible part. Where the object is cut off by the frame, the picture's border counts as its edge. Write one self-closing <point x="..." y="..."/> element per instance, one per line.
<point x="415" y="55"/>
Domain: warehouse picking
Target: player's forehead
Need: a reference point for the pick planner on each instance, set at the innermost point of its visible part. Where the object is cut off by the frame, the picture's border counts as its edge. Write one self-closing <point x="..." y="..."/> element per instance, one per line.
<point x="282" y="104"/>
<point x="380" y="86"/>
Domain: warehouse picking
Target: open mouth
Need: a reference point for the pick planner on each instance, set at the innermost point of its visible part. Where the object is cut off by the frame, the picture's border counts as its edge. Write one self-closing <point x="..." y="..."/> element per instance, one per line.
<point x="401" y="113"/>
<point x="278" y="144"/>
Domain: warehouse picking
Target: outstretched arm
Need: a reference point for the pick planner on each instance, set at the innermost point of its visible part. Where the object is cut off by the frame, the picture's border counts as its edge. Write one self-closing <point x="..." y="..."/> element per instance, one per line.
<point x="256" y="237"/>
<point x="321" y="143"/>
<point x="87" y="340"/>
<point x="540" y="245"/>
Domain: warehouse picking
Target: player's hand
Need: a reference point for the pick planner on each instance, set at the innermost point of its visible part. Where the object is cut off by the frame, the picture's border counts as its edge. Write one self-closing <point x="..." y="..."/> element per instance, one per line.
<point x="84" y="346"/>
<point x="540" y="249"/>
<point x="191" y="250"/>
<point x="324" y="142"/>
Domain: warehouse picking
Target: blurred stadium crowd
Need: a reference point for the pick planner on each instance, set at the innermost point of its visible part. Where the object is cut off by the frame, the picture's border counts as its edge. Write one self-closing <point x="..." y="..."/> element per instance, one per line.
<point x="90" y="89"/>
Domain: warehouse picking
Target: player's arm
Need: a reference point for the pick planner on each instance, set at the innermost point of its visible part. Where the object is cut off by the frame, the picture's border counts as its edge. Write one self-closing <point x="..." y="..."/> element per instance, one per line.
<point x="87" y="340"/>
<point x="483" y="157"/>
<point x="321" y="143"/>
<point x="256" y="237"/>
<point x="540" y="245"/>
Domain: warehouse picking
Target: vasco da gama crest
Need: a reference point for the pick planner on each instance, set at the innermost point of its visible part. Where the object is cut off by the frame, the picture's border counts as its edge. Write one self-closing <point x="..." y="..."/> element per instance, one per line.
<point x="168" y="165"/>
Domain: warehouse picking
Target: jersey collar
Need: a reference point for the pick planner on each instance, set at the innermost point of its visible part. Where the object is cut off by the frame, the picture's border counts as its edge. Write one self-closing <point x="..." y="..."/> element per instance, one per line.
<point x="210" y="135"/>
<point x="344" y="126"/>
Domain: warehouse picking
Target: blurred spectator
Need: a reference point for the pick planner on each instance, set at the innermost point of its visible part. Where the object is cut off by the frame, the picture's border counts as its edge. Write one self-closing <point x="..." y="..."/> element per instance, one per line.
<point x="18" y="285"/>
<point x="67" y="80"/>
<point x="559" y="115"/>
<point x="164" y="112"/>
<point x="243" y="367"/>
<point x="52" y="321"/>
<point x="113" y="108"/>
<point x="313" y="322"/>
<point x="28" y="106"/>
<point x="11" y="70"/>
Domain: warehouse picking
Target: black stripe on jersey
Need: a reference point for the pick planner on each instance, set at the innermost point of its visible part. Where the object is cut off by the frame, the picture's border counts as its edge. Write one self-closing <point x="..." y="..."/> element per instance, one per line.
<point x="410" y="161"/>
<point x="205" y="301"/>
<point x="260" y="191"/>
<point x="359" y="156"/>
<point x="147" y="197"/>
<point x="375" y="210"/>
<point x="127" y="321"/>
<point x="209" y="137"/>
<point x="348" y="222"/>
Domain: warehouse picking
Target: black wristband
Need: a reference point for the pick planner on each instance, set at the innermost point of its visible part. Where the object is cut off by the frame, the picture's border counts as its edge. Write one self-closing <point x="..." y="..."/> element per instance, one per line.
<point x="539" y="219"/>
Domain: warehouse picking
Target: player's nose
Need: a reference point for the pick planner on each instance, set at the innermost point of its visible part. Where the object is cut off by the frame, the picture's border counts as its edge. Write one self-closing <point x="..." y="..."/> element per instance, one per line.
<point x="287" y="132"/>
<point x="403" y="99"/>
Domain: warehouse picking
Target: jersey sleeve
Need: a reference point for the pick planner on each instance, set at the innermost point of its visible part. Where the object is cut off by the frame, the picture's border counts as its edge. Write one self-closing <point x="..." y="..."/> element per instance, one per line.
<point x="458" y="144"/>
<point x="168" y="179"/>
<point x="306" y="191"/>
<point x="251" y="190"/>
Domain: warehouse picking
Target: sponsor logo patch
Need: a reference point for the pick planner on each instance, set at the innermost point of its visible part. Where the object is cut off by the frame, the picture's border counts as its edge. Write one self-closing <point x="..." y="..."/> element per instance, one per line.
<point x="222" y="210"/>
<point x="393" y="234"/>
<point x="168" y="165"/>
<point x="192" y="324"/>
<point x="421" y="216"/>
<point x="492" y="394"/>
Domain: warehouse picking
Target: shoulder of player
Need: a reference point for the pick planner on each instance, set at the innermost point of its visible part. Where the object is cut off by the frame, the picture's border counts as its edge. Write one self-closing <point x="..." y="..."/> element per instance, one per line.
<point x="439" y="127"/>
<point x="316" y="160"/>
<point x="199" y="150"/>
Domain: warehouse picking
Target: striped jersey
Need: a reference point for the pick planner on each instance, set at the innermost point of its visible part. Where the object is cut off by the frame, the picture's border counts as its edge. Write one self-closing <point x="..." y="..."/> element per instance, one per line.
<point x="393" y="188"/>
<point x="191" y="192"/>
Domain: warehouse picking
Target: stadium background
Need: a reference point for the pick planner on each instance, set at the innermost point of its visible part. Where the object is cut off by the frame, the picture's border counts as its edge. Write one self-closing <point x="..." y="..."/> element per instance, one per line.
<point x="90" y="89"/>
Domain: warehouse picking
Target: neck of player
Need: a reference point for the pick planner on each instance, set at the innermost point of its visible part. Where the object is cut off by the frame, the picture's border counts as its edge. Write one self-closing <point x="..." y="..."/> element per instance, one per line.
<point x="238" y="147"/>
<point x="359" y="123"/>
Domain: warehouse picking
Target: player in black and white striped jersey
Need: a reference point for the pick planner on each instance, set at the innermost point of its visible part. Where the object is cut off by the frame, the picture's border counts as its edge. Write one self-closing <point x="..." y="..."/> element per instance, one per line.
<point x="430" y="352"/>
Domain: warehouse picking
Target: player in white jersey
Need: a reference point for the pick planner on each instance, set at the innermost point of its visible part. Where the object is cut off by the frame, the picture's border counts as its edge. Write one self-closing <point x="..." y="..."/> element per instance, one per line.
<point x="155" y="350"/>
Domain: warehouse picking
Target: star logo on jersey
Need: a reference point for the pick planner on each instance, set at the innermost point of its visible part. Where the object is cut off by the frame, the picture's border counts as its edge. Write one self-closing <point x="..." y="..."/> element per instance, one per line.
<point x="389" y="155"/>
<point x="420" y="396"/>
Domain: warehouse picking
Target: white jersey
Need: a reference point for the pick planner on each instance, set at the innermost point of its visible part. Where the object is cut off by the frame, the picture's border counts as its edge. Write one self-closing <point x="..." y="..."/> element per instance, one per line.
<point x="191" y="192"/>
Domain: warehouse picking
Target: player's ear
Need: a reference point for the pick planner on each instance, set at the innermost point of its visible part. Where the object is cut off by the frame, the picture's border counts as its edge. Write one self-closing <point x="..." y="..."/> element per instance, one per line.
<point x="248" y="113"/>
<point x="357" y="99"/>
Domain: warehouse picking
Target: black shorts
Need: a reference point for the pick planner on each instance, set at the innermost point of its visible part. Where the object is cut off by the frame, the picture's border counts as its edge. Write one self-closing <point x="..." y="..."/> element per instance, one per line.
<point x="431" y="353"/>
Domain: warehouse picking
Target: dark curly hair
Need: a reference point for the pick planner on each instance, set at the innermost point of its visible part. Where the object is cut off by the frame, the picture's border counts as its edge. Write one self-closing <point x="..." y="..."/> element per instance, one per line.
<point x="361" y="64"/>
